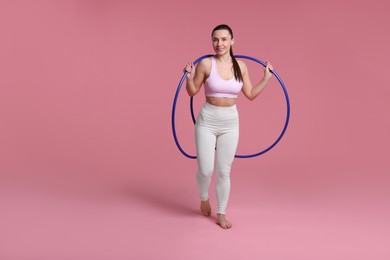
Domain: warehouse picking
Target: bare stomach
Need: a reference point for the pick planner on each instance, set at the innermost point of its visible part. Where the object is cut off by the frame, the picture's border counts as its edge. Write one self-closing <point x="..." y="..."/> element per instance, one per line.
<point x="221" y="101"/>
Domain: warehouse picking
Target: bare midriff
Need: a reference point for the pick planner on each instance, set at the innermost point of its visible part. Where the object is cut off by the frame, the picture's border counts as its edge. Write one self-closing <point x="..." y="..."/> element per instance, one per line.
<point x="221" y="101"/>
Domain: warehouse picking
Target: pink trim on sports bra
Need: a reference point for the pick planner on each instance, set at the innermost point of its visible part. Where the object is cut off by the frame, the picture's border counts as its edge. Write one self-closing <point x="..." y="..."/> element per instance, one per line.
<point x="215" y="86"/>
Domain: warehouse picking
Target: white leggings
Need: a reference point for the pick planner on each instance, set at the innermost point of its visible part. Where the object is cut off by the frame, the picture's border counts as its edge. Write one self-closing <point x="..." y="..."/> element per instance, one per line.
<point x="216" y="132"/>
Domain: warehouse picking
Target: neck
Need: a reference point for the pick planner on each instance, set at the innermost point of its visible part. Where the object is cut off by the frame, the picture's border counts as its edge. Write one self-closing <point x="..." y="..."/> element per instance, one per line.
<point x="225" y="58"/>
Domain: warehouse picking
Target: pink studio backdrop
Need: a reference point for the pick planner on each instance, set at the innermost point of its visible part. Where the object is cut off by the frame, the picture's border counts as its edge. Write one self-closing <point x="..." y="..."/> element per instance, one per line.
<point x="88" y="165"/>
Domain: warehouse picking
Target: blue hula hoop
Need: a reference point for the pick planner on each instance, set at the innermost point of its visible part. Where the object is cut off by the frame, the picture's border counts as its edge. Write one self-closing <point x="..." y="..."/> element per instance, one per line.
<point x="193" y="117"/>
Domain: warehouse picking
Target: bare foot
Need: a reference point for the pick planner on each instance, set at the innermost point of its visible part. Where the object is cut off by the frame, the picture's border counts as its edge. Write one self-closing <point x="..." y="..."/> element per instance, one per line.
<point x="205" y="208"/>
<point x="223" y="222"/>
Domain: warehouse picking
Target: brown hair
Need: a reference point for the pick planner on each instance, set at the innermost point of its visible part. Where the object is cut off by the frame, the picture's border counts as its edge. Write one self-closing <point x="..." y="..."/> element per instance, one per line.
<point x="236" y="67"/>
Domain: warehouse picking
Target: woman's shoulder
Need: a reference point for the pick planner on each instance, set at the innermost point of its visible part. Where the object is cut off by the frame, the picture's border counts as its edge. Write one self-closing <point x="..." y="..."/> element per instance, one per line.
<point x="242" y="64"/>
<point x="205" y="63"/>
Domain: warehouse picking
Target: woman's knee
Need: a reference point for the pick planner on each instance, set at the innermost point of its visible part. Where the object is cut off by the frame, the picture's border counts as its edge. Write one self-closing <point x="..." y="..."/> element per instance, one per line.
<point x="205" y="172"/>
<point x="223" y="172"/>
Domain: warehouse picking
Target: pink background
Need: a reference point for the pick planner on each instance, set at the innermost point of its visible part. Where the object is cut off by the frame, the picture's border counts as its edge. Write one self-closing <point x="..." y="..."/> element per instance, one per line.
<point x="88" y="165"/>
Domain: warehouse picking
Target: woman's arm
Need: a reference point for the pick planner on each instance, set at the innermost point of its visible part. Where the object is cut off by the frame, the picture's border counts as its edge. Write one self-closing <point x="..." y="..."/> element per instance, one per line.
<point x="195" y="77"/>
<point x="250" y="91"/>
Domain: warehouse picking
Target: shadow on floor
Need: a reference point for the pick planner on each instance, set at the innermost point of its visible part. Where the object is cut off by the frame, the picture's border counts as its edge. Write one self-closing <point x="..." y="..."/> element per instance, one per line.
<point x="171" y="201"/>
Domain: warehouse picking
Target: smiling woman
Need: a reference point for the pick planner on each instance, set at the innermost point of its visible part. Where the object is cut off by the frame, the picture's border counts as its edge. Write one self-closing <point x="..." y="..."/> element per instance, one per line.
<point x="217" y="125"/>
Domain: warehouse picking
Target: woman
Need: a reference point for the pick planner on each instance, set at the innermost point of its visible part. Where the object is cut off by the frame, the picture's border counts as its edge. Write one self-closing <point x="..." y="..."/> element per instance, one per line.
<point x="217" y="129"/>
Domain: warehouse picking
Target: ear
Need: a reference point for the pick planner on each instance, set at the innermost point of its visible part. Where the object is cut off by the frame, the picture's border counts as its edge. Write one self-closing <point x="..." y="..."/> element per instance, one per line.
<point x="232" y="41"/>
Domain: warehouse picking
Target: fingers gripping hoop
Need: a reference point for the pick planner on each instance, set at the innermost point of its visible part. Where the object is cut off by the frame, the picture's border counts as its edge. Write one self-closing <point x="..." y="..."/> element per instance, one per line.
<point x="193" y="116"/>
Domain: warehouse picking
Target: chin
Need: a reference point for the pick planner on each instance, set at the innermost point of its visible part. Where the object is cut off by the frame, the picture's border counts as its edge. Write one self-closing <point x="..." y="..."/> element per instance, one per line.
<point x="221" y="52"/>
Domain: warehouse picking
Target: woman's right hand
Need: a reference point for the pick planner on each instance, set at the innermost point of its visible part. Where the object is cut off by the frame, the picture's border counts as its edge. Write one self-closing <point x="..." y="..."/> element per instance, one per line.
<point x="190" y="68"/>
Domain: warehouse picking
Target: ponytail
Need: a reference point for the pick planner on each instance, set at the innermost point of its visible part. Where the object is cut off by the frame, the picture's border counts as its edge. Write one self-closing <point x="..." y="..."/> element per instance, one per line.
<point x="236" y="67"/>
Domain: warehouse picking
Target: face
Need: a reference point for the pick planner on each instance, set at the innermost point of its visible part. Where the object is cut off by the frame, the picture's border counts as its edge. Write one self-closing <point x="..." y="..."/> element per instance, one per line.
<point x="222" y="41"/>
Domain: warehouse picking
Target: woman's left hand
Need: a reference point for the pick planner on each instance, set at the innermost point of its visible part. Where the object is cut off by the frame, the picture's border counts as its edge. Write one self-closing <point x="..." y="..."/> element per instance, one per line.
<point x="267" y="70"/>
